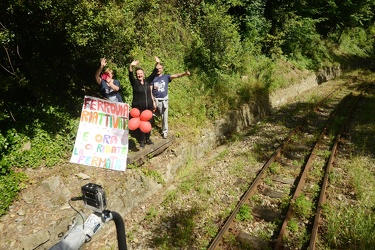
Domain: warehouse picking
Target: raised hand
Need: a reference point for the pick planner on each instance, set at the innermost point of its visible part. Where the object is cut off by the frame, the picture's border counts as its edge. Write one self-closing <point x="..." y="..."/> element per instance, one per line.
<point x="134" y="63"/>
<point x="103" y="62"/>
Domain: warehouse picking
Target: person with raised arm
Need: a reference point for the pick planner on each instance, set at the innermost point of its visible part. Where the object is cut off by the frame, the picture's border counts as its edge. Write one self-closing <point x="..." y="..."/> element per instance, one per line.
<point x="142" y="95"/>
<point x="160" y="93"/>
<point x="110" y="87"/>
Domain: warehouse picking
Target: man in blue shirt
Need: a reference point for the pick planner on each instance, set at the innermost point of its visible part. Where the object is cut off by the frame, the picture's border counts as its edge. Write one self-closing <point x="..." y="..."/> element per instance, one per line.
<point x="160" y="93"/>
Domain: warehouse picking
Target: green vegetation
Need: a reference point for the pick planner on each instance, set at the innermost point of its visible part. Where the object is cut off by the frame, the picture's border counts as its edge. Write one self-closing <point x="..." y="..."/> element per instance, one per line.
<point x="181" y="227"/>
<point x="211" y="229"/>
<point x="12" y="184"/>
<point x="274" y="168"/>
<point x="350" y="226"/>
<point x="51" y="49"/>
<point x="292" y="226"/>
<point x="151" y="214"/>
<point x="238" y="167"/>
<point x="171" y="196"/>
<point x="245" y="213"/>
<point x="350" y="221"/>
<point x="303" y="207"/>
<point x="155" y="175"/>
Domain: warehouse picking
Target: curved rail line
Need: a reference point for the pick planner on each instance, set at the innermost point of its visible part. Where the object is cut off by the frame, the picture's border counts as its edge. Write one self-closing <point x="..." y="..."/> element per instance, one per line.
<point x="260" y="176"/>
<point x="323" y="185"/>
<point x="299" y="130"/>
<point x="314" y="231"/>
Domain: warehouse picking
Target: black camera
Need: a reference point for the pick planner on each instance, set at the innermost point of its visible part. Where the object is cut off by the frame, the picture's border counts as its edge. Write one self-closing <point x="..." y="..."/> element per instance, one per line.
<point x="93" y="196"/>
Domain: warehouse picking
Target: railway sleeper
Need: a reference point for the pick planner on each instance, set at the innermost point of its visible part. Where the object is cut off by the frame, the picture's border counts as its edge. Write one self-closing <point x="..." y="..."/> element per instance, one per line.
<point x="294" y="155"/>
<point x="254" y="242"/>
<point x="284" y="180"/>
<point x="266" y="214"/>
<point x="272" y="193"/>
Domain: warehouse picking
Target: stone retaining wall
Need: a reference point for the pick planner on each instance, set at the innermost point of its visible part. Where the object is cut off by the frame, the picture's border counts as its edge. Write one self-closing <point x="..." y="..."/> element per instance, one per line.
<point x="249" y="113"/>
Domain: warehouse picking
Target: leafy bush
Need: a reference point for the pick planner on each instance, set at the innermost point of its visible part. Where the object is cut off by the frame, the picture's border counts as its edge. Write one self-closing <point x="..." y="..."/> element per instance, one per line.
<point x="356" y="41"/>
<point x="46" y="142"/>
<point x="301" y="41"/>
<point x="10" y="145"/>
<point x="10" y="185"/>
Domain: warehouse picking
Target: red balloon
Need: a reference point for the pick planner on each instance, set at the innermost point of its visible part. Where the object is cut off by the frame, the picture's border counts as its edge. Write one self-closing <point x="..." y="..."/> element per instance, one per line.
<point x="145" y="126"/>
<point x="134" y="112"/>
<point x="134" y="123"/>
<point x="146" y="115"/>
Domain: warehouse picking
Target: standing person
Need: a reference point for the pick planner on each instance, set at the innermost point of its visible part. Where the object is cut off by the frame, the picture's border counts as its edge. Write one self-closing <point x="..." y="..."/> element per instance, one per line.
<point x="142" y="95"/>
<point x="160" y="92"/>
<point x="109" y="87"/>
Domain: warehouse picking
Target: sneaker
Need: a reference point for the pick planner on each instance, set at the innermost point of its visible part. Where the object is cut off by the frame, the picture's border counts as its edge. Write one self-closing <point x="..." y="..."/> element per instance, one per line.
<point x="165" y="136"/>
<point x="142" y="144"/>
<point x="149" y="142"/>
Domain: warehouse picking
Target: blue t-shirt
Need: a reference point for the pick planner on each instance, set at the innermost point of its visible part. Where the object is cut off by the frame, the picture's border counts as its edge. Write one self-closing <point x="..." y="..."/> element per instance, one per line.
<point x="109" y="93"/>
<point x="160" y="86"/>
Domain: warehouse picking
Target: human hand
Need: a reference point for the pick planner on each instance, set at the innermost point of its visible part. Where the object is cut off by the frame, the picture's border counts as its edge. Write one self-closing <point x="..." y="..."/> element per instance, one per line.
<point x="187" y="72"/>
<point x="157" y="59"/>
<point x="134" y="63"/>
<point x="103" y="62"/>
<point x="109" y="82"/>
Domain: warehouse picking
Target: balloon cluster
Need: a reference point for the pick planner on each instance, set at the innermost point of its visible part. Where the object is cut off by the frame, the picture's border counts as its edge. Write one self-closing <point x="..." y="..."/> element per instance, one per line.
<point x="140" y="120"/>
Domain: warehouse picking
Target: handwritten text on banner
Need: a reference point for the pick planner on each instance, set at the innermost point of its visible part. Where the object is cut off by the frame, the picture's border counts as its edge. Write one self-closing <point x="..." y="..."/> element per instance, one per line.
<point x="102" y="137"/>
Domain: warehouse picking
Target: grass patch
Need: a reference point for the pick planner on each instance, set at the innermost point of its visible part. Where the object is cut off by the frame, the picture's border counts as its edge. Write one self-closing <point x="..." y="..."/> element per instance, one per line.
<point x="169" y="198"/>
<point x="151" y="214"/>
<point x="350" y="220"/>
<point x="244" y="213"/>
<point x="153" y="174"/>
<point x="302" y="207"/>
<point x="182" y="224"/>
<point x="292" y="226"/>
<point x="12" y="184"/>
<point x="274" y="168"/>
<point x="349" y="227"/>
<point x="238" y="167"/>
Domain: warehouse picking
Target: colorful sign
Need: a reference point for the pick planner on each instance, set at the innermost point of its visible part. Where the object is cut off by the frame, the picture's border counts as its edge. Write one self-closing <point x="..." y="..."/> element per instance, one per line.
<point x="102" y="137"/>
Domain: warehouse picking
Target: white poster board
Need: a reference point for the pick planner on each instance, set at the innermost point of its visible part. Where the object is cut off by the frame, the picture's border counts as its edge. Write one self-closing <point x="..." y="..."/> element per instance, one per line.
<point x="102" y="138"/>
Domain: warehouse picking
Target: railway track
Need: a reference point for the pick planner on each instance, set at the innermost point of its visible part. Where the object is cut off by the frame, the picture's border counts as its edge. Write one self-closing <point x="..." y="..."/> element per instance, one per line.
<point x="281" y="208"/>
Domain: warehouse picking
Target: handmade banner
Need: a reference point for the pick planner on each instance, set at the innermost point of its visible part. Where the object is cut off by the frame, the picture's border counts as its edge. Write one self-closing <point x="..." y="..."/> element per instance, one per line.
<point x="102" y="137"/>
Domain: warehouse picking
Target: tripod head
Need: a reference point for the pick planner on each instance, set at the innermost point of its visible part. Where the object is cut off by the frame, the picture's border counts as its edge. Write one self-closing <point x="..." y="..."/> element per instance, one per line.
<point x="94" y="198"/>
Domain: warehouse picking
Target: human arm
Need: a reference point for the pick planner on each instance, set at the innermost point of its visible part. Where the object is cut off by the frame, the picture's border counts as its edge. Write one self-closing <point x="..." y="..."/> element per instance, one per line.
<point x="132" y="64"/>
<point x="112" y="84"/>
<point x="103" y="63"/>
<point x="157" y="60"/>
<point x="131" y="74"/>
<point x="153" y="98"/>
<point x="154" y="73"/>
<point x="177" y="75"/>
